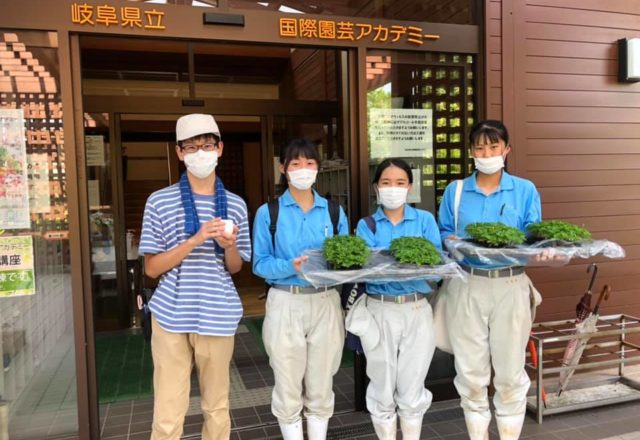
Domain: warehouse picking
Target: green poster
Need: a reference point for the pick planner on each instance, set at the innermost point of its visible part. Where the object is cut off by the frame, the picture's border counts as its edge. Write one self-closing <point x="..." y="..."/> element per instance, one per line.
<point x="16" y="266"/>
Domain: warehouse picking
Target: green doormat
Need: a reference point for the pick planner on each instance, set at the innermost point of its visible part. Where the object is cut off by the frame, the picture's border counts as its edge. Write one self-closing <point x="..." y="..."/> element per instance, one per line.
<point x="254" y="325"/>
<point x="125" y="367"/>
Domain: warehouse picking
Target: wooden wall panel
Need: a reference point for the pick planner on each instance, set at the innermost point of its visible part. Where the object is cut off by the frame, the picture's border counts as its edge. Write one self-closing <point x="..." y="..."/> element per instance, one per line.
<point x="576" y="134"/>
<point x="561" y="81"/>
<point x="493" y="54"/>
<point x="564" y="130"/>
<point x="562" y="14"/>
<point x="621" y="6"/>
<point x="562" y="32"/>
<point x="570" y="163"/>
<point x="582" y="98"/>
<point x="550" y="179"/>
<point x="582" y="146"/>
<point x="314" y="74"/>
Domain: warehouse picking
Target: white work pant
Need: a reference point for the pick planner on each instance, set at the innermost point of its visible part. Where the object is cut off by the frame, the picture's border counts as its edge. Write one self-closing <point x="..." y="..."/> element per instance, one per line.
<point x="489" y="321"/>
<point x="303" y="335"/>
<point x="398" y="364"/>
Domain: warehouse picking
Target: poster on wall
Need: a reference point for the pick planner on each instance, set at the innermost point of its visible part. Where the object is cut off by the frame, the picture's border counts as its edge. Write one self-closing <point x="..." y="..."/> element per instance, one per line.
<point x="14" y="186"/>
<point x="17" y="276"/>
<point x="95" y="150"/>
<point x="400" y="132"/>
<point x="39" y="185"/>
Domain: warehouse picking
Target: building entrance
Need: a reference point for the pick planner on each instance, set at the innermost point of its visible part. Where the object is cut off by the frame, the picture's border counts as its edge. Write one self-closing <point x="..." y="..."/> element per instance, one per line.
<point x="133" y="92"/>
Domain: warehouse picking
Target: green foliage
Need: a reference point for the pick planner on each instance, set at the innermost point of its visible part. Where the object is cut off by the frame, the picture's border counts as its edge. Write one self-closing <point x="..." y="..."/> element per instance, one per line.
<point x="415" y="250"/>
<point x="346" y="251"/>
<point x="379" y="98"/>
<point x="558" y="230"/>
<point x="495" y="234"/>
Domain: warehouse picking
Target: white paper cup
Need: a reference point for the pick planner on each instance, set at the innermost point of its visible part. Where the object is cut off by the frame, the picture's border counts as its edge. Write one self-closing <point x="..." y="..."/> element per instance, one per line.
<point x="228" y="226"/>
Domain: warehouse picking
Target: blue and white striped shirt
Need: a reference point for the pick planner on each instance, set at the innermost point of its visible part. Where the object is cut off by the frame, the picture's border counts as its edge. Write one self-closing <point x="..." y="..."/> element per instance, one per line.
<point x="198" y="295"/>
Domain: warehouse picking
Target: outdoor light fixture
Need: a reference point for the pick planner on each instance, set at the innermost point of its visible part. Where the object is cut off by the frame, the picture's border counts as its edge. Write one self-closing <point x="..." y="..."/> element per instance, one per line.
<point x="629" y="60"/>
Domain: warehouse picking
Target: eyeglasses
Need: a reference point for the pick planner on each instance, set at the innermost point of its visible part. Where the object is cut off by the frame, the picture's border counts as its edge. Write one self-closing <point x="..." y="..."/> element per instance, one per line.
<point x="192" y="148"/>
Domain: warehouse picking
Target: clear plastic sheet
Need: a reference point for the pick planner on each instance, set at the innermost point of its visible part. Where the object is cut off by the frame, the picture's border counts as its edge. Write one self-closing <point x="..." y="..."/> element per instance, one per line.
<point x="380" y="268"/>
<point x="541" y="253"/>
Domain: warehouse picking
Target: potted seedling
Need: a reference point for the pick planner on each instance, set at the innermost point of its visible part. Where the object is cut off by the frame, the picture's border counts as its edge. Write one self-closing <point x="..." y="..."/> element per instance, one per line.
<point x="495" y="235"/>
<point x="344" y="252"/>
<point x="416" y="251"/>
<point x="558" y="232"/>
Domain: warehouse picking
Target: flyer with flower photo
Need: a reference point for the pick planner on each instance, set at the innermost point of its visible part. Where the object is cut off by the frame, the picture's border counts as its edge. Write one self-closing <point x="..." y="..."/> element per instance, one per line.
<point x="17" y="276"/>
<point x="14" y="186"/>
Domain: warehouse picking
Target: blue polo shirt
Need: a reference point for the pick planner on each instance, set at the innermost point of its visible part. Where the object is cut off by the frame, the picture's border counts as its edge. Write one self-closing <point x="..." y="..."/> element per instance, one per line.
<point x="296" y="231"/>
<point x="516" y="202"/>
<point x="415" y="223"/>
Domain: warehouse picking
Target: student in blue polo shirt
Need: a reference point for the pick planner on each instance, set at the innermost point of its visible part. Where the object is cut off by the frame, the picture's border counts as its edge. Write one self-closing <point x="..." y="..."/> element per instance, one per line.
<point x="303" y="330"/>
<point x="195" y="234"/>
<point x="489" y="317"/>
<point x="398" y="360"/>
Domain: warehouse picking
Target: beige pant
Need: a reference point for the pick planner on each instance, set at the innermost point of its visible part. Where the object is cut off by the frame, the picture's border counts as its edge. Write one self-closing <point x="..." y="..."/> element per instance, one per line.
<point x="173" y="358"/>
<point x="303" y="335"/>
<point x="398" y="364"/>
<point x="489" y="321"/>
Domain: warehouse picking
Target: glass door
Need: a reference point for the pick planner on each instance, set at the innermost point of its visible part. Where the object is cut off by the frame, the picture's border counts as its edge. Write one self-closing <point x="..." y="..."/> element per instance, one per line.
<point x="38" y="395"/>
<point x="421" y="107"/>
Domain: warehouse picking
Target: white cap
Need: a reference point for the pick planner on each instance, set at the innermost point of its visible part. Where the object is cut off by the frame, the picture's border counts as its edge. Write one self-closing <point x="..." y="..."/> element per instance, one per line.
<point x="195" y="124"/>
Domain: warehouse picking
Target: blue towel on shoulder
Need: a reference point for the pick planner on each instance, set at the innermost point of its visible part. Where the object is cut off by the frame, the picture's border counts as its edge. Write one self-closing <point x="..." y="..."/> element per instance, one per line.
<point x="191" y="220"/>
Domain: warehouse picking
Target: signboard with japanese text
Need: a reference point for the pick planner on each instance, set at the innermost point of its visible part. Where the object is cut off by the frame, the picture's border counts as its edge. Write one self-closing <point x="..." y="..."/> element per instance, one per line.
<point x="14" y="185"/>
<point x="311" y="28"/>
<point x="17" y="276"/>
<point x="94" y="145"/>
<point x="124" y="16"/>
<point x="399" y="132"/>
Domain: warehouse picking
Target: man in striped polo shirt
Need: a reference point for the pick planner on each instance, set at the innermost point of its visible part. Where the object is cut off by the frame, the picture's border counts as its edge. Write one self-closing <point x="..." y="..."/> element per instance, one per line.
<point x="195" y="234"/>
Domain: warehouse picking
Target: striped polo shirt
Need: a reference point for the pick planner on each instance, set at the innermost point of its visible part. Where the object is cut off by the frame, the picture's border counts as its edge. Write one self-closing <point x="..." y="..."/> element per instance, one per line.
<point x="198" y="295"/>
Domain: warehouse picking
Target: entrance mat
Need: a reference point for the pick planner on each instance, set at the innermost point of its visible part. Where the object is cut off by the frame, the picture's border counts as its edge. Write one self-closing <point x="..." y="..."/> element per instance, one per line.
<point x="125" y="367"/>
<point x="254" y="325"/>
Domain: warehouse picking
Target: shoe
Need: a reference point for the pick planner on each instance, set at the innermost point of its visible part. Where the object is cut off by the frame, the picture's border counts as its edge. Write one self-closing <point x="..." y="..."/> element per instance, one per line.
<point x="386" y="430"/>
<point x="411" y="428"/>
<point x="510" y="427"/>
<point x="291" y="431"/>
<point x="477" y="424"/>
<point x="317" y="428"/>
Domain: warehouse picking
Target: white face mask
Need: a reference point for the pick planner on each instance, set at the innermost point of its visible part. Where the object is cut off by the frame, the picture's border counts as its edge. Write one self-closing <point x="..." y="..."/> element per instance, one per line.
<point x="489" y="165"/>
<point x="392" y="197"/>
<point x="303" y="178"/>
<point x="201" y="163"/>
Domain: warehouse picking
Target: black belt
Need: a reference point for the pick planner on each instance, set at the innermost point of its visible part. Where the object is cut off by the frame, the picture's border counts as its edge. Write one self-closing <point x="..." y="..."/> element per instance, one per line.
<point x="493" y="273"/>
<point x="295" y="290"/>
<point x="398" y="299"/>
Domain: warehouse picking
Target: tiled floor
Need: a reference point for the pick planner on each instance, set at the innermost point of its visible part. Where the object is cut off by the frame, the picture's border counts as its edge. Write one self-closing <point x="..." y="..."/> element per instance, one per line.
<point x="251" y="417"/>
<point x="443" y="421"/>
<point x="47" y="407"/>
